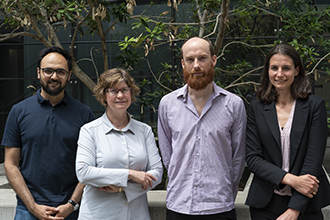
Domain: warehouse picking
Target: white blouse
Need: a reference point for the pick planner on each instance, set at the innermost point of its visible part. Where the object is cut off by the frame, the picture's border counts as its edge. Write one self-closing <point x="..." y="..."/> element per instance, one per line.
<point x="104" y="157"/>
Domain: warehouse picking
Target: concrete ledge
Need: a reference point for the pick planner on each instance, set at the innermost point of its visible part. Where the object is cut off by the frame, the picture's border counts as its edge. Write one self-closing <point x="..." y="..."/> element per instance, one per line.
<point x="156" y="201"/>
<point x="7" y="198"/>
<point x="157" y="206"/>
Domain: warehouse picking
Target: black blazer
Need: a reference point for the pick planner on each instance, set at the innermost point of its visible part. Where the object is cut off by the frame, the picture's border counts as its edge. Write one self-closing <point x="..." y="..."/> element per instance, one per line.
<point x="307" y="147"/>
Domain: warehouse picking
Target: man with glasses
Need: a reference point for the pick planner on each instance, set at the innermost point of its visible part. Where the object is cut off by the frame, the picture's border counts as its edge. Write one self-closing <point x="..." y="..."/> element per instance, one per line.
<point x="40" y="140"/>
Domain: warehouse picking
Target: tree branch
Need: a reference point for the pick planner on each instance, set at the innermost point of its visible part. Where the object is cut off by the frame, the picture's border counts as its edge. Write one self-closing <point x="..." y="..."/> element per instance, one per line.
<point x="199" y="14"/>
<point x="215" y="26"/>
<point x="202" y="19"/>
<point x="155" y="76"/>
<point x="245" y="74"/>
<point x="75" y="33"/>
<point x="318" y="63"/>
<point x="11" y="35"/>
<point x="222" y="26"/>
<point x="92" y="60"/>
<point x="39" y="35"/>
<point x="111" y="27"/>
<point x="241" y="84"/>
<point x="102" y="37"/>
<point x="246" y="44"/>
<point x="49" y="29"/>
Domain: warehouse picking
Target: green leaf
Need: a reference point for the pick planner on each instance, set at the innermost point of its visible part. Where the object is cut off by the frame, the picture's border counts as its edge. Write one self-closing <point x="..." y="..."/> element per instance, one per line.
<point x="144" y="22"/>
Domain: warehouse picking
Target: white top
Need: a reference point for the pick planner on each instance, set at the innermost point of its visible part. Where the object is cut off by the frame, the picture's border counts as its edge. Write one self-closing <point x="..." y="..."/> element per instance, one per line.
<point x="104" y="157"/>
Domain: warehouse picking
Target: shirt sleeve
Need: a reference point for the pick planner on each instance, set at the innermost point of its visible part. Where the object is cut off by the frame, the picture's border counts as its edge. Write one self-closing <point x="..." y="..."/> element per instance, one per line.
<point x="11" y="135"/>
<point x="164" y="134"/>
<point x="86" y="170"/>
<point x="316" y="146"/>
<point x="238" y="146"/>
<point x="155" y="167"/>
<point x="90" y="115"/>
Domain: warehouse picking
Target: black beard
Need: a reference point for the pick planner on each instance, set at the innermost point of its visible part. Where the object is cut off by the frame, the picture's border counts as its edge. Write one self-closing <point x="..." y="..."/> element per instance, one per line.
<point x="49" y="91"/>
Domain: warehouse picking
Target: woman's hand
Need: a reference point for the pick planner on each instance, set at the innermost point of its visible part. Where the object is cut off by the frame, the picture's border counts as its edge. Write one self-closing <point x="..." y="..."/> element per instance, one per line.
<point x="304" y="184"/>
<point x="111" y="189"/>
<point x="289" y="214"/>
<point x="141" y="177"/>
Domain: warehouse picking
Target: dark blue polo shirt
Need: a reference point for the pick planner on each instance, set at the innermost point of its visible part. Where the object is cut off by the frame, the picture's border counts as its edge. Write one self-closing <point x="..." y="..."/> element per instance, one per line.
<point x="47" y="136"/>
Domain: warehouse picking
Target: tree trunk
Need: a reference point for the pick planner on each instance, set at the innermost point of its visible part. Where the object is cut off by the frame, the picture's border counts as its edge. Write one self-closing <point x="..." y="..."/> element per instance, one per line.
<point x="222" y="26"/>
<point x="83" y="77"/>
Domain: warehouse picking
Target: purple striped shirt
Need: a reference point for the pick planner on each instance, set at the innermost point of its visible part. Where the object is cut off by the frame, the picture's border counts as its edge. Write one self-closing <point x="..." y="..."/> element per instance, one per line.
<point x="204" y="155"/>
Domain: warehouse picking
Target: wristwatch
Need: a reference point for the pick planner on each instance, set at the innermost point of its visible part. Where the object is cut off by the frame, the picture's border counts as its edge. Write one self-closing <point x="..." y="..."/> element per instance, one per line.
<point x="74" y="204"/>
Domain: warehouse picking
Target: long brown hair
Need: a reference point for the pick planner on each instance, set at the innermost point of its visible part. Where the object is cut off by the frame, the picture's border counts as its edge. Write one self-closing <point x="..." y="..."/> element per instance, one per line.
<point x="300" y="87"/>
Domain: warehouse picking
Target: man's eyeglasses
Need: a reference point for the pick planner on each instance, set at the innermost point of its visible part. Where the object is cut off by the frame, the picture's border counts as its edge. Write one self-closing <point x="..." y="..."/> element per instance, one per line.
<point x="124" y="90"/>
<point x="48" y="72"/>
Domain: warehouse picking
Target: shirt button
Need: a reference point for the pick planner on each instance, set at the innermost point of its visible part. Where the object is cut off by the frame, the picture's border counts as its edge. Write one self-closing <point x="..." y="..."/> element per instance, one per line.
<point x="121" y="132"/>
<point x="197" y="154"/>
<point x="126" y="166"/>
<point x="195" y="187"/>
<point x="196" y="171"/>
<point x="197" y="138"/>
<point x="124" y="143"/>
<point x="126" y="204"/>
<point x="125" y="155"/>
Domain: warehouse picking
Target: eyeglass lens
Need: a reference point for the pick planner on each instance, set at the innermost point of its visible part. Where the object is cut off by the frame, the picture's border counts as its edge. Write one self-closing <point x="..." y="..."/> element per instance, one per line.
<point x="48" y="72"/>
<point x="114" y="92"/>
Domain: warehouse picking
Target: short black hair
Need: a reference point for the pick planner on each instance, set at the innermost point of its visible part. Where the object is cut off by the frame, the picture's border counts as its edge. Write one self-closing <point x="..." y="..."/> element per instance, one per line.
<point x="54" y="49"/>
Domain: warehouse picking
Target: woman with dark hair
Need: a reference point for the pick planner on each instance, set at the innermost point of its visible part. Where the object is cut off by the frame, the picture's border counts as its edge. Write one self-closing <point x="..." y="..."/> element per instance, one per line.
<point x="286" y="140"/>
<point x="117" y="156"/>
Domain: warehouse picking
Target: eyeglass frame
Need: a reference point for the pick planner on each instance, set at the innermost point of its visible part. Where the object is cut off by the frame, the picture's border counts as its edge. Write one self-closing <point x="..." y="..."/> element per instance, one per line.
<point x="61" y="77"/>
<point x="129" y="89"/>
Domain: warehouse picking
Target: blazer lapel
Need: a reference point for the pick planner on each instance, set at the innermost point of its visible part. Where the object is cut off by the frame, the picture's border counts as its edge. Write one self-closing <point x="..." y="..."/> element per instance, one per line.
<point x="272" y="122"/>
<point x="298" y="126"/>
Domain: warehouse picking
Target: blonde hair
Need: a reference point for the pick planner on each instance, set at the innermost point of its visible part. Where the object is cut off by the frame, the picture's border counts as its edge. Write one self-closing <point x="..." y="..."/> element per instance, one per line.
<point x="111" y="78"/>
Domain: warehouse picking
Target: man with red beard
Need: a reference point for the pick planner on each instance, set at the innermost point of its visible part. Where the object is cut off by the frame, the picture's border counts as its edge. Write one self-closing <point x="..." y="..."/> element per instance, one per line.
<point x="201" y="132"/>
<point x="40" y="140"/>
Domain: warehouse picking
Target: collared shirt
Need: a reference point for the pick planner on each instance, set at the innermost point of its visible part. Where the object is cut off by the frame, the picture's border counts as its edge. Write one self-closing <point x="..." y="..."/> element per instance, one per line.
<point x="104" y="157"/>
<point x="47" y="136"/>
<point x="204" y="155"/>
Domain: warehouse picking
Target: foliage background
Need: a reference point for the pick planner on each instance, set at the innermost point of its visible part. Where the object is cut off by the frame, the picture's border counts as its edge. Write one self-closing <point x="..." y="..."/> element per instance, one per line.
<point x="145" y="37"/>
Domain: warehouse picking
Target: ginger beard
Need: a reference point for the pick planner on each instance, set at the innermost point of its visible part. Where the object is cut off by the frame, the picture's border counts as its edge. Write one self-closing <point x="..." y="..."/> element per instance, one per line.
<point x="198" y="82"/>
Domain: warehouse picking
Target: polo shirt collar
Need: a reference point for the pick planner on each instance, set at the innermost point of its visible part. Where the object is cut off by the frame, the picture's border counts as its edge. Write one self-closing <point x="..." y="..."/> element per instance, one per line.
<point x="109" y="127"/>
